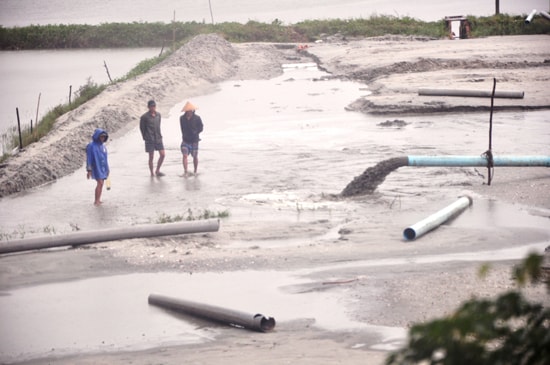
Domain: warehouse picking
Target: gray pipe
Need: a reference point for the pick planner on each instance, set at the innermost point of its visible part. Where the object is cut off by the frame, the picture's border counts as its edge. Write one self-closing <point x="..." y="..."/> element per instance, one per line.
<point x="436" y="219"/>
<point x="481" y="161"/>
<point x="257" y="322"/>
<point x="530" y="16"/>
<point x="472" y="93"/>
<point x="113" y="234"/>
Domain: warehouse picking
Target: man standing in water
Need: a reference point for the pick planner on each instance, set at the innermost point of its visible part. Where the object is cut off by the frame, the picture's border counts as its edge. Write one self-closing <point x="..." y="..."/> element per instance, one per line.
<point x="191" y="126"/>
<point x="149" y="124"/>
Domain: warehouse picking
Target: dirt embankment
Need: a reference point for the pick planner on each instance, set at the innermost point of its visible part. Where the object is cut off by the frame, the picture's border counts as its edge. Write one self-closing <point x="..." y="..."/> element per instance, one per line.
<point x="396" y="67"/>
<point x="194" y="69"/>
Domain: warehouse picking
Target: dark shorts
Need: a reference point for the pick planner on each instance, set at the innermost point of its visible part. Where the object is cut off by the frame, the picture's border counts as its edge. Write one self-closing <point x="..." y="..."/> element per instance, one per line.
<point x="190" y="148"/>
<point x="152" y="146"/>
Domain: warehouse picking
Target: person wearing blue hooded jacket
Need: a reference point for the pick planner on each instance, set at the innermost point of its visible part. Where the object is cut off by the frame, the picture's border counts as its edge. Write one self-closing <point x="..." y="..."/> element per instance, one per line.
<point x="97" y="165"/>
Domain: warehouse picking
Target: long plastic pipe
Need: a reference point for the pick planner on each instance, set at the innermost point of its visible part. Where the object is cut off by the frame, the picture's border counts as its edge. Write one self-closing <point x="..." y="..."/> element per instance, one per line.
<point x="472" y="93"/>
<point x="80" y="238"/>
<point x="257" y="322"/>
<point x="544" y="15"/>
<point x="506" y="161"/>
<point x="531" y="16"/>
<point x="436" y="219"/>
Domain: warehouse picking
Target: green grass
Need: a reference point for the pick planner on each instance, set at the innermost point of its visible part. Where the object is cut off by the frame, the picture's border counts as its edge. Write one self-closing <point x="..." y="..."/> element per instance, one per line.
<point x="139" y="34"/>
<point x="191" y="216"/>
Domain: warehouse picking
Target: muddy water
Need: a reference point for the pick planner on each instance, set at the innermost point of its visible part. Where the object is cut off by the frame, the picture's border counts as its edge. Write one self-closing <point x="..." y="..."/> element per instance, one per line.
<point x="272" y="151"/>
<point x="113" y="314"/>
<point x="274" y="148"/>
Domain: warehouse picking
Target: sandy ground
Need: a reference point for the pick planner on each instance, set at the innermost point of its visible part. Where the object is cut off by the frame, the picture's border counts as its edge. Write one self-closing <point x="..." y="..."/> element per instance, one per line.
<point x="395" y="68"/>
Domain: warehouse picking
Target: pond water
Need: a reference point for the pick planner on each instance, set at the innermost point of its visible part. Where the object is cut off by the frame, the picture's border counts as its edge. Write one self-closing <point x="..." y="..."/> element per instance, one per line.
<point x="54" y="75"/>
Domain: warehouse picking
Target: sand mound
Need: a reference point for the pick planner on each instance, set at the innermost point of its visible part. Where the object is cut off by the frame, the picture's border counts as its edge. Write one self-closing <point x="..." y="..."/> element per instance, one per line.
<point x="192" y="70"/>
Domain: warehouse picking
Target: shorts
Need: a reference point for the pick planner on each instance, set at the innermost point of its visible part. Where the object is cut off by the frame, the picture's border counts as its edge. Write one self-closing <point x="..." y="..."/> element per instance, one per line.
<point x="152" y="146"/>
<point x="190" y="148"/>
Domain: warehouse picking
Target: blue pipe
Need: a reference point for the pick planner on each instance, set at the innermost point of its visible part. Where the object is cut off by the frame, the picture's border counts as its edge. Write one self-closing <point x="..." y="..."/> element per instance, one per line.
<point x="436" y="219"/>
<point x="505" y="161"/>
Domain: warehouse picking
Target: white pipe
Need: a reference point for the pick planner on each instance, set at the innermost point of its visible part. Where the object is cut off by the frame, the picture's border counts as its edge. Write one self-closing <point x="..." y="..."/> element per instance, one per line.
<point x="544" y="14"/>
<point x="436" y="219"/>
<point x="530" y="16"/>
<point x="113" y="234"/>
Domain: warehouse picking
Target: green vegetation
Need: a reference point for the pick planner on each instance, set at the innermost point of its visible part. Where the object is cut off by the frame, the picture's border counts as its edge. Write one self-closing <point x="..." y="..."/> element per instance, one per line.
<point x="190" y="216"/>
<point x="83" y="94"/>
<point x="119" y="35"/>
<point x="506" y="330"/>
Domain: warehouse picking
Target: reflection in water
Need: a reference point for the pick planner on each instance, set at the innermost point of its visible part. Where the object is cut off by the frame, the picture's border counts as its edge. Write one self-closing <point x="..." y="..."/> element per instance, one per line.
<point x="192" y="183"/>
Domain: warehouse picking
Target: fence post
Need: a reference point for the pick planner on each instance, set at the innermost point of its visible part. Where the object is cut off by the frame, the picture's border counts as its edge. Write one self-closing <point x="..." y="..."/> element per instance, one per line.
<point x="19" y="130"/>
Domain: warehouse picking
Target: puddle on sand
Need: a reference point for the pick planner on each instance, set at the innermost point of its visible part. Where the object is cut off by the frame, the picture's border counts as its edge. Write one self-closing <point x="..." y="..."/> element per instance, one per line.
<point x="113" y="314"/>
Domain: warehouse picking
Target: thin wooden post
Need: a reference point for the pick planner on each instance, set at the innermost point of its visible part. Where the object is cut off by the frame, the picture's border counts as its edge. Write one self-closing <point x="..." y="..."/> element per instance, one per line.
<point x="38" y="107"/>
<point x="211" y="14"/>
<point x="174" y="32"/>
<point x="70" y="93"/>
<point x="19" y="129"/>
<point x="108" y="74"/>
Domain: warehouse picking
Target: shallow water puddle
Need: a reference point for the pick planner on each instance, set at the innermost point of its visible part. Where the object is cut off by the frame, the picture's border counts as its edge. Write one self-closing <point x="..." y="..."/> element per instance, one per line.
<point x="113" y="314"/>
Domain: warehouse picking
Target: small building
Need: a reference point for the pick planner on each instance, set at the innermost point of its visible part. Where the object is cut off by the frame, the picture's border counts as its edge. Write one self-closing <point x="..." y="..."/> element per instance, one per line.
<point x="458" y="27"/>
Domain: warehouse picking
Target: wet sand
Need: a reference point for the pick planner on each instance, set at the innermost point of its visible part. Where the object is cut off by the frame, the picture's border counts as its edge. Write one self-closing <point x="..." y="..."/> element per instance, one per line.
<point x="355" y="243"/>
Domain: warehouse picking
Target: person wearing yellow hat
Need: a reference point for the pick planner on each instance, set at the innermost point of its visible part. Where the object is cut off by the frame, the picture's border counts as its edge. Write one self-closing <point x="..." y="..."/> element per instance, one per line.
<point x="191" y="126"/>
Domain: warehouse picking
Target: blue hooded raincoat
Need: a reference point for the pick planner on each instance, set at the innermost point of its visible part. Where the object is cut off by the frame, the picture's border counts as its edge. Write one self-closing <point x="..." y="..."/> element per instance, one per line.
<point x="96" y="156"/>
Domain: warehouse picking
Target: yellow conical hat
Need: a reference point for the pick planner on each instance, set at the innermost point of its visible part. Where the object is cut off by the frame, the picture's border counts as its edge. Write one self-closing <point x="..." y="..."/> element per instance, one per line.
<point x="188" y="107"/>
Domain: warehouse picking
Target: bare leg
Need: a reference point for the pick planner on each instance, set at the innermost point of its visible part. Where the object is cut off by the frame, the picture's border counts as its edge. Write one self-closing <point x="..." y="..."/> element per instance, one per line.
<point x="160" y="160"/>
<point x="151" y="156"/>
<point x="195" y="163"/>
<point x="98" y="191"/>
<point x="184" y="161"/>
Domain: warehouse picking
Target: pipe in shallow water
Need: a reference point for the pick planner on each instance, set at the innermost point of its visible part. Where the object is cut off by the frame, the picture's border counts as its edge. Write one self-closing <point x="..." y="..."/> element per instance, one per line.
<point x="472" y="93"/>
<point x="257" y="322"/>
<point x="463" y="161"/>
<point x="113" y="234"/>
<point x="436" y="219"/>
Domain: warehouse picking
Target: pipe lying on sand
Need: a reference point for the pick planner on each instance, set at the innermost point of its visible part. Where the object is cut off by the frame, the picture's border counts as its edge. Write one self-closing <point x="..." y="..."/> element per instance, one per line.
<point x="530" y="17"/>
<point x="472" y="93"/>
<point x="436" y="219"/>
<point x="257" y="322"/>
<point x="482" y="161"/>
<point x="80" y="238"/>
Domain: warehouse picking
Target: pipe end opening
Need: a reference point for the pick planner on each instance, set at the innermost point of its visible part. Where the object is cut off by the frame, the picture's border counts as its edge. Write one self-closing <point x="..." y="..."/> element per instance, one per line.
<point x="409" y="234"/>
<point x="266" y="323"/>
